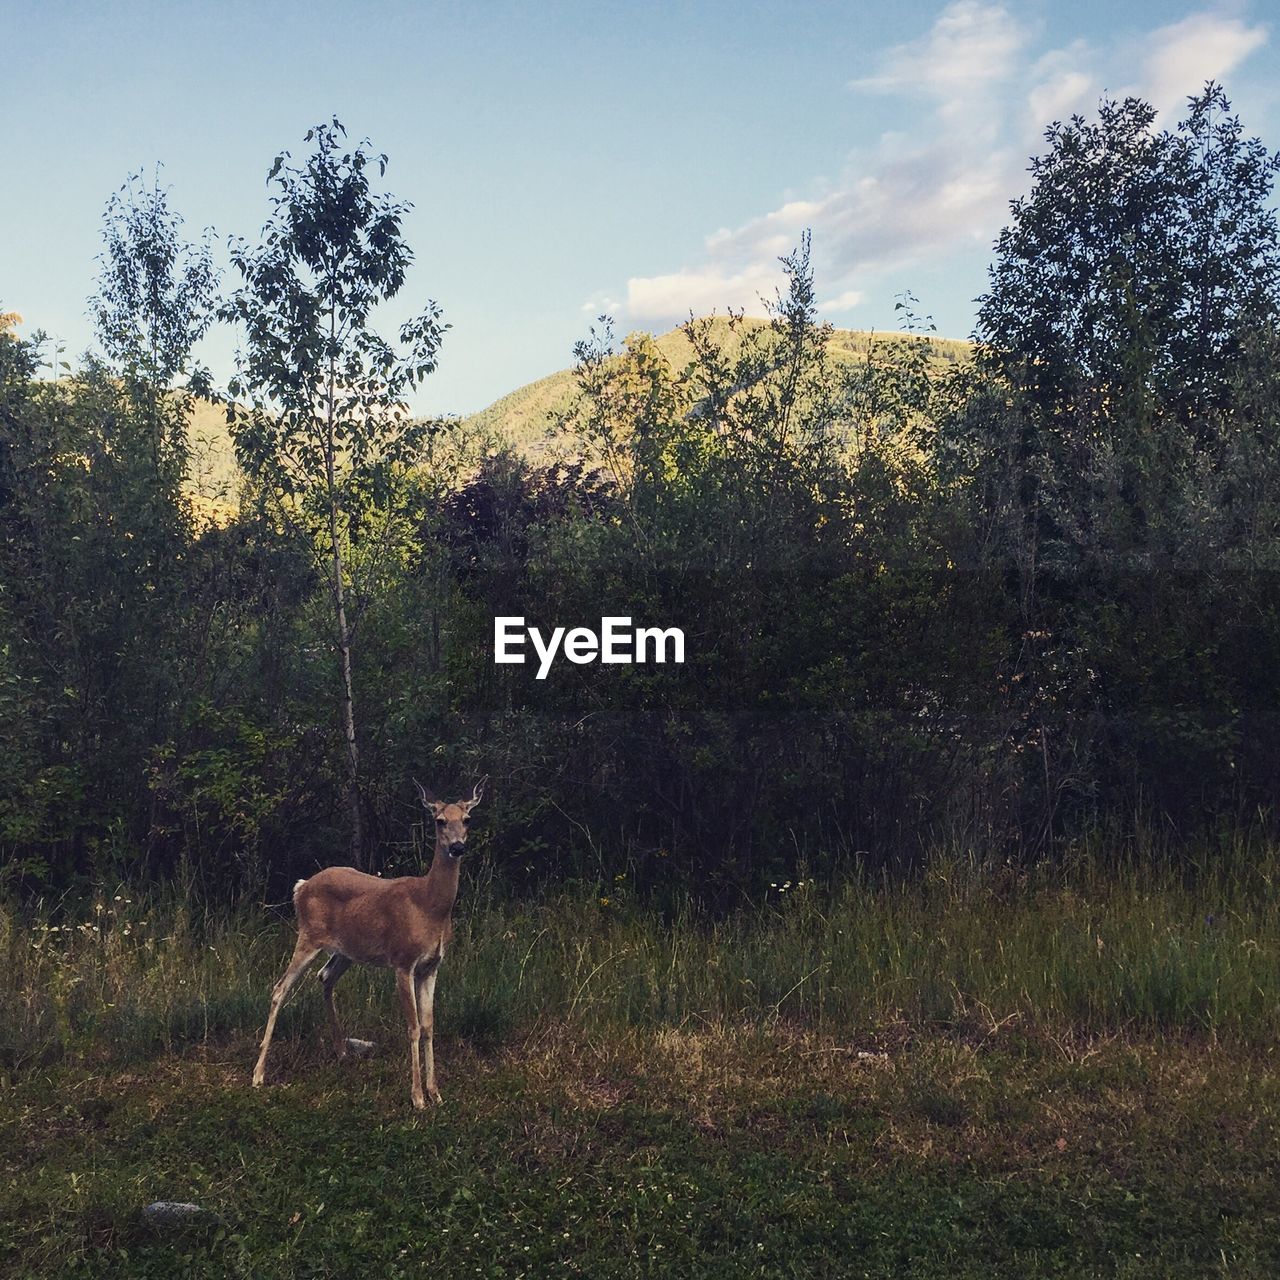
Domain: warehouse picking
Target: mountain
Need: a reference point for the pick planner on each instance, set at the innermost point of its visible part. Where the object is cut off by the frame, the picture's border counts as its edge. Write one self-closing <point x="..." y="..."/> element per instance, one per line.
<point x="213" y="475"/>
<point x="528" y="419"/>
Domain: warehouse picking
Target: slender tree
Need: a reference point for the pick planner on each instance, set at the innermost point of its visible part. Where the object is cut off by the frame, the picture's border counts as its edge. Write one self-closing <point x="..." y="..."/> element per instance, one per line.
<point x="325" y="425"/>
<point x="157" y="296"/>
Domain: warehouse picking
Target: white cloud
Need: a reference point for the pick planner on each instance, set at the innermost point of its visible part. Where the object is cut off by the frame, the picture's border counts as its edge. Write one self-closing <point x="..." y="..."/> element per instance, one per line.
<point x="1062" y="85"/>
<point x="970" y="46"/>
<point x="1183" y="55"/>
<point x="844" y="302"/>
<point x="942" y="181"/>
<point x="672" y="297"/>
<point x="600" y="304"/>
<point x="1062" y="95"/>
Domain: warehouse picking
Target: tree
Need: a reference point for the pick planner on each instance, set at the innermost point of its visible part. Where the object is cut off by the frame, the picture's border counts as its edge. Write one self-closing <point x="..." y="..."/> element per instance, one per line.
<point x="95" y="542"/>
<point x="1124" y="292"/>
<point x="325" y="426"/>
<point x="156" y="292"/>
<point x="158" y="296"/>
<point x="1126" y="339"/>
<point x="1139" y="260"/>
<point x="92" y="589"/>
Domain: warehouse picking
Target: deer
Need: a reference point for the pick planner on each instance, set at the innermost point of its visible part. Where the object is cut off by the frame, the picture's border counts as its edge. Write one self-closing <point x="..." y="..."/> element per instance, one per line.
<point x="403" y="924"/>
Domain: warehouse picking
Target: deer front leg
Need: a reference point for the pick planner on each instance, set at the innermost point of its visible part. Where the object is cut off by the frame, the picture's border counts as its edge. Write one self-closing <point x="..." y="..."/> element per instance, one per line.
<point x="303" y="954"/>
<point x="408" y="1001"/>
<point x="335" y="967"/>
<point x="426" y="986"/>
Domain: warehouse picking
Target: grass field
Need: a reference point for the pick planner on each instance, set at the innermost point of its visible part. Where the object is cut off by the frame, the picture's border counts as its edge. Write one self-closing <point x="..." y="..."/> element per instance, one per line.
<point x="984" y="1073"/>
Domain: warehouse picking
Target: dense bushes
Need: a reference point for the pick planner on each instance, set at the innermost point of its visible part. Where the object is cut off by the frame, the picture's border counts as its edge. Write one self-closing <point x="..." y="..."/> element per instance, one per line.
<point x="995" y="605"/>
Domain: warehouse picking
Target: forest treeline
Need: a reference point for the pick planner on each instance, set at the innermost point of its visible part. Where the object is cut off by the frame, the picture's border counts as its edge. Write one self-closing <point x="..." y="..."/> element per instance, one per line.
<point x="1001" y="607"/>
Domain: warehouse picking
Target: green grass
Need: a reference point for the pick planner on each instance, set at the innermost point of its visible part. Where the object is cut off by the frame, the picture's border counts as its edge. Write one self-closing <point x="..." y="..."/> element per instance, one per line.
<point x="1082" y="950"/>
<point x="717" y="1151"/>
<point x="1069" y="1073"/>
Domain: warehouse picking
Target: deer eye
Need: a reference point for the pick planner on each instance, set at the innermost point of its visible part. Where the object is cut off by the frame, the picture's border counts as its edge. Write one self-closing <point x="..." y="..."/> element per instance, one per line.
<point x="440" y="822"/>
<point x="466" y="822"/>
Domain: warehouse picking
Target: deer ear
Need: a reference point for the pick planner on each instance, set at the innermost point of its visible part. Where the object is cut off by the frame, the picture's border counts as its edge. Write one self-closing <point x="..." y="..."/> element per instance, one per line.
<point x="425" y="796"/>
<point x="477" y="791"/>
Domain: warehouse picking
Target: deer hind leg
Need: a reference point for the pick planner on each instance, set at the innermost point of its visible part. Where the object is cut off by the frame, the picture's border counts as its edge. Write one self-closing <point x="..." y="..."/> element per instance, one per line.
<point x="303" y="954"/>
<point x="409" y="1003"/>
<point x="334" y="968"/>
<point x="425" y="982"/>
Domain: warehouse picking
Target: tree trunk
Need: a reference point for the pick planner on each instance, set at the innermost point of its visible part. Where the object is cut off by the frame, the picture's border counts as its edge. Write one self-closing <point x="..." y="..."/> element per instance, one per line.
<point x="348" y="701"/>
<point x="344" y="649"/>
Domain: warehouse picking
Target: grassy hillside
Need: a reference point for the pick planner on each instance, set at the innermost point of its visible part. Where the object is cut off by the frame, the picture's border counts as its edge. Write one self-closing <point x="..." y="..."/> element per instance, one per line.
<point x="527" y="418"/>
<point x="214" y="476"/>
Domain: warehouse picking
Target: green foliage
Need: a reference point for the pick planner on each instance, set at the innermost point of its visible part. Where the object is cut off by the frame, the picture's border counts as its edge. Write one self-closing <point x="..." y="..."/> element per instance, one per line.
<point x="125" y="625"/>
<point x="1183" y="949"/>
<point x="537" y="420"/>
<point x="226" y="785"/>
<point x="926" y="600"/>
<point x="325" y="390"/>
<point x="93" y="591"/>
<point x="1098" y="459"/>
<point x="774" y="504"/>
<point x="157" y="294"/>
<point x="1138" y="263"/>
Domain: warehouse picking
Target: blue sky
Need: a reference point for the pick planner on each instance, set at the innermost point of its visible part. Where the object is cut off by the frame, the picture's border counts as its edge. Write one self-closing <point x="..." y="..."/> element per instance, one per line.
<point x="567" y="159"/>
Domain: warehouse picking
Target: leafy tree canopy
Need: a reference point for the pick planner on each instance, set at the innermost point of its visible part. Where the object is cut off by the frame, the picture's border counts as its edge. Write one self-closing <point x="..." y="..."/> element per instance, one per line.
<point x="156" y="293"/>
<point x="1140" y="259"/>
<point x="328" y="389"/>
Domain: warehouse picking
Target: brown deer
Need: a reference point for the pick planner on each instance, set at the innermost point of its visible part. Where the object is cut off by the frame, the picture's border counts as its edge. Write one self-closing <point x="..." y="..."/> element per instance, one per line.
<point x="402" y="924"/>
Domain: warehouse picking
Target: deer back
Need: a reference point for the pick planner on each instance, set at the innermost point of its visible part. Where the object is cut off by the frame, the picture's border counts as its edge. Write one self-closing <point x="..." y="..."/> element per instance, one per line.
<point x="370" y="920"/>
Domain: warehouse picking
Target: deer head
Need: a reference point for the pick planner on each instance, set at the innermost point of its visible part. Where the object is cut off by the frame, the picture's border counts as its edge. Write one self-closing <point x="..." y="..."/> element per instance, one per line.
<point x="451" y="820"/>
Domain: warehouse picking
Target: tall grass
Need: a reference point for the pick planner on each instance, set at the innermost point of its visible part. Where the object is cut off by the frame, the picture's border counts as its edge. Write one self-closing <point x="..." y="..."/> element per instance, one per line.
<point x="1081" y="948"/>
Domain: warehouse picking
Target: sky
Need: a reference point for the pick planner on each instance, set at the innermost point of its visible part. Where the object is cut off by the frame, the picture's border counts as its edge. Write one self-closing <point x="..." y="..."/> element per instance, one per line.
<point x="566" y="160"/>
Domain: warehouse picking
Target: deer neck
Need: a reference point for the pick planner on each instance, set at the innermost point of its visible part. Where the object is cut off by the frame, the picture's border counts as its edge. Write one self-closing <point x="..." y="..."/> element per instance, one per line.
<point x="440" y="884"/>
